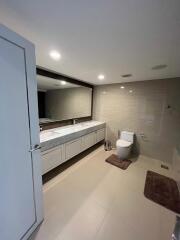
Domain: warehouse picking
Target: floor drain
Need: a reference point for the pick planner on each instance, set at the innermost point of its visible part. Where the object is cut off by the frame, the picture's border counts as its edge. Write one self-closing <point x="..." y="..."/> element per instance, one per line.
<point x="164" y="166"/>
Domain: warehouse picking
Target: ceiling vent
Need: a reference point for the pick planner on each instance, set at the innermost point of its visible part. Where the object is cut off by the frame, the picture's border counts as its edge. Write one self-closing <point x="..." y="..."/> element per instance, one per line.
<point x="158" y="67"/>
<point x="126" y="75"/>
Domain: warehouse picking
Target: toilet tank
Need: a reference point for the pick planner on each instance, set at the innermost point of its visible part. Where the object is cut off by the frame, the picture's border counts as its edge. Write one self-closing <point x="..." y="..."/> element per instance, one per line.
<point x="127" y="136"/>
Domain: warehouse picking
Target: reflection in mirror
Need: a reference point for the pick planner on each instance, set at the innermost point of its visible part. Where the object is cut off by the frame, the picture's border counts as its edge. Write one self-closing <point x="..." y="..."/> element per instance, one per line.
<point x="60" y="100"/>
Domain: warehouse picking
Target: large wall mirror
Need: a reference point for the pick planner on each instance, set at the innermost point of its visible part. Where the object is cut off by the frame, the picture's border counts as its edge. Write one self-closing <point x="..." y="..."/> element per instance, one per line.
<point x="62" y="98"/>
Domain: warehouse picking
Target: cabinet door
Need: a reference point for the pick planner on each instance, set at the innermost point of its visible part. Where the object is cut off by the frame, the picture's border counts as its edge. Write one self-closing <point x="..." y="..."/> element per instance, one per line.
<point x="20" y="178"/>
<point x="73" y="148"/>
<point x="52" y="158"/>
<point x="88" y="140"/>
<point x="100" y="135"/>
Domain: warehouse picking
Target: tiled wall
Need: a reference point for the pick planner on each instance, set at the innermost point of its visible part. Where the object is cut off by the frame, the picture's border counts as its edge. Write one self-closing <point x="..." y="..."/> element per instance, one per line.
<point x="151" y="109"/>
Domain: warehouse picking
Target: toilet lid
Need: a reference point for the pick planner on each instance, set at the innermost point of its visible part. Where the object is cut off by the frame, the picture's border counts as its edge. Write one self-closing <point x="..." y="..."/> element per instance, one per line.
<point x="123" y="143"/>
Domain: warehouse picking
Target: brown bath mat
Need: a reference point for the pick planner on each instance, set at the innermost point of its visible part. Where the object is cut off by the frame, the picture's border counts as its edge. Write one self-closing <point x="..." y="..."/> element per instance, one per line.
<point x="114" y="160"/>
<point x="162" y="190"/>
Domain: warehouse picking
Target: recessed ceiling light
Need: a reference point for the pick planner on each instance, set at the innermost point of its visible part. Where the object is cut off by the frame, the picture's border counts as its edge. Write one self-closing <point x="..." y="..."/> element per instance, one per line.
<point x="101" y="76"/>
<point x="55" y="55"/>
<point x="126" y="75"/>
<point x="122" y="87"/>
<point x="130" y="91"/>
<point x="63" y="82"/>
<point x="158" y="67"/>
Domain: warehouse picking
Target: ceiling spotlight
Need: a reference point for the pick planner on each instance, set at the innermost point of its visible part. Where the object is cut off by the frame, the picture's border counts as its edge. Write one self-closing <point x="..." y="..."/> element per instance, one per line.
<point x="101" y="76"/>
<point x="130" y="91"/>
<point x="158" y="67"/>
<point x="63" y="82"/>
<point x="126" y="75"/>
<point x="55" y="55"/>
<point x="122" y="87"/>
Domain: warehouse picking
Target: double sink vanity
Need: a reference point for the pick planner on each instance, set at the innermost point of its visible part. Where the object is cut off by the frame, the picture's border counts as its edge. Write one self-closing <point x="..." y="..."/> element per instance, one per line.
<point x="61" y="144"/>
<point x="61" y="101"/>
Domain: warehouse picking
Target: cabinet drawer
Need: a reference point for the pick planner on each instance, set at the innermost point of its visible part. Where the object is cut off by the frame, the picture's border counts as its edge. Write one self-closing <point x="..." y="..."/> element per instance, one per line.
<point x="100" y="135"/>
<point x="73" y="148"/>
<point x="52" y="158"/>
<point x="88" y="140"/>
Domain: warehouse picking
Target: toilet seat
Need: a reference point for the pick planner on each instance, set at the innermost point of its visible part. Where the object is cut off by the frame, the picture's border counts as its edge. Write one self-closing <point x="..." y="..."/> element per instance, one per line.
<point x="123" y="143"/>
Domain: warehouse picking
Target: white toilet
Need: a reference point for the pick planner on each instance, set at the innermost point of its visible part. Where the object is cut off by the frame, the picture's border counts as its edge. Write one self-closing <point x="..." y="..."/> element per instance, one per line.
<point x="124" y="144"/>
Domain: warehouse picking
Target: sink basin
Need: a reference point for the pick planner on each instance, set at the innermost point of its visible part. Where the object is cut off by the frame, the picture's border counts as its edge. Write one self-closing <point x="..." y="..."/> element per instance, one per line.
<point x="66" y="132"/>
<point x="63" y="131"/>
<point x="74" y="128"/>
<point x="47" y="135"/>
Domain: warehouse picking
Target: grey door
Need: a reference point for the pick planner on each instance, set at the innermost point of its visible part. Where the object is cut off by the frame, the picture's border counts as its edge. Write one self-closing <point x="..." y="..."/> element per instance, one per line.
<point x="17" y="196"/>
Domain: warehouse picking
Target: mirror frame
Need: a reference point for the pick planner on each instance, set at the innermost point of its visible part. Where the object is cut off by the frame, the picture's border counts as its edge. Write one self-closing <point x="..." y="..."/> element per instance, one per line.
<point x="55" y="75"/>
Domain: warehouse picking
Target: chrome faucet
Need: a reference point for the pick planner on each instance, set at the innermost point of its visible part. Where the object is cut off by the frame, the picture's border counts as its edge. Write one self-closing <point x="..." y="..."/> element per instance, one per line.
<point x="74" y="121"/>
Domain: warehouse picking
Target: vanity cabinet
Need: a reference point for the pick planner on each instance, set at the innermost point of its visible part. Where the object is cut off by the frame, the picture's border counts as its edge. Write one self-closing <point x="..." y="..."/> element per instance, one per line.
<point x="88" y="140"/>
<point x="100" y="135"/>
<point x="52" y="158"/>
<point x="55" y="156"/>
<point x="73" y="148"/>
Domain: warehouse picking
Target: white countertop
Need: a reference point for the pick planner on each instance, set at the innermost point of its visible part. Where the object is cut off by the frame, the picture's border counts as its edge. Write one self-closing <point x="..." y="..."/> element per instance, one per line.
<point x="54" y="133"/>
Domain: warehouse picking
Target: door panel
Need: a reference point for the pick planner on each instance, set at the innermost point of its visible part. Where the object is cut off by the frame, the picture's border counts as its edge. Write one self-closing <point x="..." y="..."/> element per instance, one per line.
<point x="17" y="208"/>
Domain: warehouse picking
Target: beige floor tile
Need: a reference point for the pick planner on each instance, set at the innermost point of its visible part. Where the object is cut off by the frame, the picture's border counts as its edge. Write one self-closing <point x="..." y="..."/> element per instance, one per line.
<point x="85" y="223"/>
<point x="95" y="200"/>
<point x="114" y="228"/>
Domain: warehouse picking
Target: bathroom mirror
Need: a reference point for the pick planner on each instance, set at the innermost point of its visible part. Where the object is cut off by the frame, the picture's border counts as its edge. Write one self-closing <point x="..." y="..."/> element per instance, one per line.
<point x="60" y="99"/>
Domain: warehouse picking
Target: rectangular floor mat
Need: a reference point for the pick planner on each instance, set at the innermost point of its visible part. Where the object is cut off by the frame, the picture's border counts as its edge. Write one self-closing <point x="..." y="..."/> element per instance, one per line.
<point x="114" y="160"/>
<point x="162" y="190"/>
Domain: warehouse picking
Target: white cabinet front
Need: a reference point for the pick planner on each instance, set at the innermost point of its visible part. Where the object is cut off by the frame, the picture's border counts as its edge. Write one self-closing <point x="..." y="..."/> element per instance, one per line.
<point x="88" y="140"/>
<point x="73" y="148"/>
<point x="55" y="156"/>
<point x="100" y="135"/>
<point x="52" y="158"/>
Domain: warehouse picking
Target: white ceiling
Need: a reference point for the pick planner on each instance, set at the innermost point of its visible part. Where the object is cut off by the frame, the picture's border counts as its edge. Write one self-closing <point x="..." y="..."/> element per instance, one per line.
<point x="112" y="37"/>
<point x="46" y="83"/>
